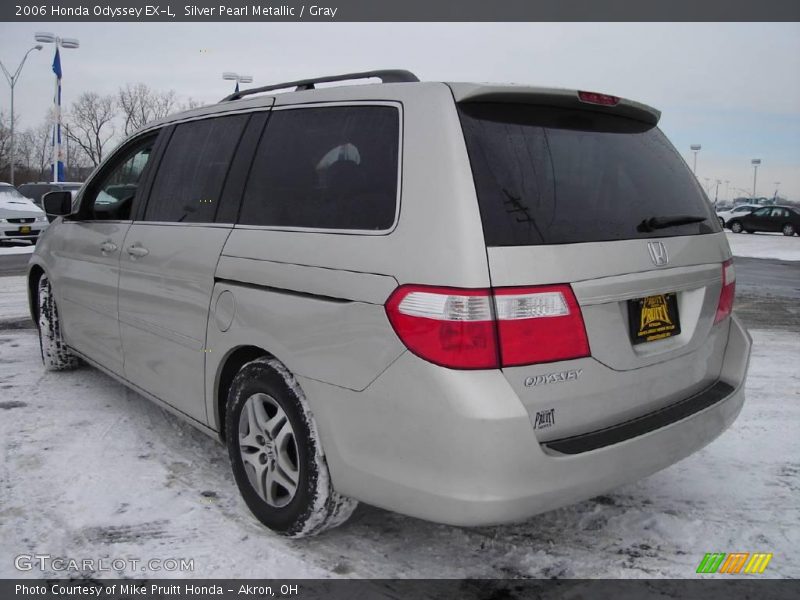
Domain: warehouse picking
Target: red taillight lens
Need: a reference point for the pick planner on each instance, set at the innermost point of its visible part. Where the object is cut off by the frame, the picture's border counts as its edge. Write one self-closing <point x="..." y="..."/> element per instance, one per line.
<point x="726" y="296"/>
<point x="540" y="324"/>
<point x="447" y="326"/>
<point x="595" y="98"/>
<point x="461" y="328"/>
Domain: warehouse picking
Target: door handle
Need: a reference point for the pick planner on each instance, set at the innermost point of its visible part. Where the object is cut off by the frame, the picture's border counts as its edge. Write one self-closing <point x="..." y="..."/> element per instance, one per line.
<point x="138" y="251"/>
<point x="108" y="247"/>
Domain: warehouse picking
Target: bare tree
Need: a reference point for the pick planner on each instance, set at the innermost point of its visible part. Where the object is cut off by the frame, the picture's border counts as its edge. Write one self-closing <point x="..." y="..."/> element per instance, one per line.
<point x="5" y="144"/>
<point x="141" y="104"/>
<point x="91" y="124"/>
<point x="190" y="104"/>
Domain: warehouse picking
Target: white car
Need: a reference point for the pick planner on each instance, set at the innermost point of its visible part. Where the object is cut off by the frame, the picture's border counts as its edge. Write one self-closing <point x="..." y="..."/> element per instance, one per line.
<point x="20" y="218"/>
<point x="725" y="216"/>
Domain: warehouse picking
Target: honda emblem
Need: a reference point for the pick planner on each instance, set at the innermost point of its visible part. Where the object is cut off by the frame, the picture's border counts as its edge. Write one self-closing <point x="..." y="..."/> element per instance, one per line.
<point x="658" y="253"/>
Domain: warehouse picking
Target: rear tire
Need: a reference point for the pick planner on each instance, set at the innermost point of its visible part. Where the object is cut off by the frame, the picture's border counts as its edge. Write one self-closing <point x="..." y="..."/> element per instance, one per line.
<point x="788" y="230"/>
<point x="56" y="356"/>
<point x="276" y="453"/>
<point x="736" y="227"/>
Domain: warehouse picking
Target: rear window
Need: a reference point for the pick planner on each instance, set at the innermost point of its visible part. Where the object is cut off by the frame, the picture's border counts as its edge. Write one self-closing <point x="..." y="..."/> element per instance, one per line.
<point x="559" y="176"/>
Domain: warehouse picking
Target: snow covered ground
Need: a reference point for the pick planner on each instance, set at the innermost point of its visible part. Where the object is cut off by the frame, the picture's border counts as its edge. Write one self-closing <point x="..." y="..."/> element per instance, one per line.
<point x="93" y="470"/>
<point x="14" y="249"/>
<point x="13" y="299"/>
<point x="765" y="245"/>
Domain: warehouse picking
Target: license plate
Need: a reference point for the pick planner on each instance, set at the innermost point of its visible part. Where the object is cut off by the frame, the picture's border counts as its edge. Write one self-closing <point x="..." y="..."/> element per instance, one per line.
<point x="25" y="229"/>
<point x="654" y="318"/>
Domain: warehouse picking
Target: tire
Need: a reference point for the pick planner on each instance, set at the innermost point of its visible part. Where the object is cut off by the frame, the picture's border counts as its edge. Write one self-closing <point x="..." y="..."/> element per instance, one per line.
<point x="56" y="356"/>
<point x="788" y="230"/>
<point x="721" y="222"/>
<point x="276" y="454"/>
<point x="736" y="227"/>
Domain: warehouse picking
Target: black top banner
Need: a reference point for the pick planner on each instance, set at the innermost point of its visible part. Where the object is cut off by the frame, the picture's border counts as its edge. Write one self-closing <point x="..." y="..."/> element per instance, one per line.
<point x="400" y="10"/>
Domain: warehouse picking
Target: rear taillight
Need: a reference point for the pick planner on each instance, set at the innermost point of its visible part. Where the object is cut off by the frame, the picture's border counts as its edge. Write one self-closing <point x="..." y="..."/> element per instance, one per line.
<point x="595" y="98"/>
<point x="486" y="329"/>
<point x="540" y="324"/>
<point x="726" y="296"/>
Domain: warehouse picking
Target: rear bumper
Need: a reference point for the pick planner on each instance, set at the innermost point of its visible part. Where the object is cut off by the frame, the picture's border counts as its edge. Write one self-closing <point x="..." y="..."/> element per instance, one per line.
<point x="469" y="456"/>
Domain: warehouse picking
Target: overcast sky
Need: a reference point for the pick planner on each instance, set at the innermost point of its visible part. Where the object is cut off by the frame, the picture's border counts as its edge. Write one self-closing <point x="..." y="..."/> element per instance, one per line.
<point x="734" y="88"/>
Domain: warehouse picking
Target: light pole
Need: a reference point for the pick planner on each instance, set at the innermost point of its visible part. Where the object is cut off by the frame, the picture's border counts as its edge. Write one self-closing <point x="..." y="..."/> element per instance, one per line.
<point x="70" y="43"/>
<point x="12" y="81"/>
<point x="755" y="162"/>
<point x="716" y="192"/>
<point x="230" y="76"/>
<point x="727" y="195"/>
<point x="695" y="148"/>
<point x="775" y="195"/>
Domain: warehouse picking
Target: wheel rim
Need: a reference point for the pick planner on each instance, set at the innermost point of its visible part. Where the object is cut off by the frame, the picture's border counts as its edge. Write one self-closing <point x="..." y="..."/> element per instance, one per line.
<point x="269" y="450"/>
<point x="736" y="227"/>
<point x="788" y="230"/>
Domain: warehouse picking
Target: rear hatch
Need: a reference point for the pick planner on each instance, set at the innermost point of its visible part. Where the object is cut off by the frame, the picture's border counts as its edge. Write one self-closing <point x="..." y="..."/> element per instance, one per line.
<point x="590" y="193"/>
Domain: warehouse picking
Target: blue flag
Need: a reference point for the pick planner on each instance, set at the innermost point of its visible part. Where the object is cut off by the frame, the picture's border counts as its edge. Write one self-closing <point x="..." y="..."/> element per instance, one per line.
<point x="57" y="64"/>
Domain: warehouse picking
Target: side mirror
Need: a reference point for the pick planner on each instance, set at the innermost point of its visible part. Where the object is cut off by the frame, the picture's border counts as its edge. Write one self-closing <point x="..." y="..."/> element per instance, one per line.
<point x="57" y="204"/>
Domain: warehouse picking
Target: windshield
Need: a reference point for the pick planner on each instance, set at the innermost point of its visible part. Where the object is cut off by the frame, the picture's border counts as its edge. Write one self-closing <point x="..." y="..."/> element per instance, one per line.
<point x="8" y="192"/>
<point x="557" y="176"/>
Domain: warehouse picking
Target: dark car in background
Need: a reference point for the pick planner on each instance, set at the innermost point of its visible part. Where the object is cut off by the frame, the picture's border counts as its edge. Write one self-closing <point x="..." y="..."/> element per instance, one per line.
<point x="35" y="191"/>
<point x="785" y="219"/>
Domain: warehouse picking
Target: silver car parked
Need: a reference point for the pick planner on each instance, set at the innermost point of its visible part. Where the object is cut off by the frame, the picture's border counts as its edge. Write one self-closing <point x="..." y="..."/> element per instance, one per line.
<point x="467" y="303"/>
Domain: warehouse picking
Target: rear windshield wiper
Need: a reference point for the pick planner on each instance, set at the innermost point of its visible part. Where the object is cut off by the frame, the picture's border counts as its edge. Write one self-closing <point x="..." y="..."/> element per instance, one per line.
<point x="654" y="223"/>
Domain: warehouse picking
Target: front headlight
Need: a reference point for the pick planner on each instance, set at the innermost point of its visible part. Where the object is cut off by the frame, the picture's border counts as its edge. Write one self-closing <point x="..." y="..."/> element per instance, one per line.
<point x="41" y="219"/>
<point x="3" y="221"/>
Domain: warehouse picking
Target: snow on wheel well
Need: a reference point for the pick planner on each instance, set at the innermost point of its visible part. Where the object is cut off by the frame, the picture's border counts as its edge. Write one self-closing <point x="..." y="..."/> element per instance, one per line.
<point x="230" y="367"/>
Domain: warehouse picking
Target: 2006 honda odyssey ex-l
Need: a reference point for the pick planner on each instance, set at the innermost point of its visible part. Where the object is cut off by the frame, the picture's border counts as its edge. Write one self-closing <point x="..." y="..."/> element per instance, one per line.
<point x="466" y="303"/>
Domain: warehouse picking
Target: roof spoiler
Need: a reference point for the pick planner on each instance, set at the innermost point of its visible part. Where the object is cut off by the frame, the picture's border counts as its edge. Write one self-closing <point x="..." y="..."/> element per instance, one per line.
<point x="468" y="92"/>
<point x="386" y="76"/>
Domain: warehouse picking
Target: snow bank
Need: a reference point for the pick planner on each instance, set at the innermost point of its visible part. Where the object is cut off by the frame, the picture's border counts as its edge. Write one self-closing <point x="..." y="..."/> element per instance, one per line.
<point x="4" y="249"/>
<point x="765" y="245"/>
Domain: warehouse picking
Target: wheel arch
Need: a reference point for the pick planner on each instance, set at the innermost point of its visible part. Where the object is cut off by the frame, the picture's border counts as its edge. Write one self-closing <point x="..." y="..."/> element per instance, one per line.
<point x="235" y="359"/>
<point x="34" y="276"/>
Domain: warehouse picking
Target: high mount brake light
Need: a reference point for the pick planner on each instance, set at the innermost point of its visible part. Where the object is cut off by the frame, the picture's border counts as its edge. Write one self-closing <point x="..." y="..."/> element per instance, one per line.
<point x="728" y="293"/>
<point x="595" y="98"/>
<point x="487" y="329"/>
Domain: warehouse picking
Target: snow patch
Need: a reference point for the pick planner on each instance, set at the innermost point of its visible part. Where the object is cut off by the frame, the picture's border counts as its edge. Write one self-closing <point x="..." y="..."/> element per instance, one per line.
<point x="764" y="245"/>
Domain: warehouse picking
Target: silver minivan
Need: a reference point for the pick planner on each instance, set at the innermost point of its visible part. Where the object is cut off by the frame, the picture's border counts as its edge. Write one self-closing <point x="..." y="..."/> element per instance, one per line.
<point x="467" y="303"/>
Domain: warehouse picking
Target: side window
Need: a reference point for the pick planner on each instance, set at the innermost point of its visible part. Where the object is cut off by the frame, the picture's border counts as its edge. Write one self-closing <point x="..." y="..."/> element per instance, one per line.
<point x="761" y="212"/>
<point x="191" y="174"/>
<point x="779" y="212"/>
<point x="112" y="198"/>
<point x="325" y="168"/>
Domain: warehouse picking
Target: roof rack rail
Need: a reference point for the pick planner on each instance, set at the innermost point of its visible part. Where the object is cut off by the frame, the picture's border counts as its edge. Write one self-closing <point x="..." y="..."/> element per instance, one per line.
<point x="386" y="76"/>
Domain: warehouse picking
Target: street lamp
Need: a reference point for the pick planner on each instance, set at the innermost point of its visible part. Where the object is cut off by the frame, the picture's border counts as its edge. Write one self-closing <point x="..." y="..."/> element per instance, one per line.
<point x="695" y="148"/>
<point x="230" y="76"/>
<point x="69" y="43"/>
<point x="12" y="81"/>
<point x="755" y="162"/>
<point x="775" y="195"/>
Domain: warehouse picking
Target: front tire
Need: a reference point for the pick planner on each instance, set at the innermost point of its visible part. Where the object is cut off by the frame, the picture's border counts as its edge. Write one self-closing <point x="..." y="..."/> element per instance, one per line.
<point x="56" y="356"/>
<point x="736" y="227"/>
<point x="788" y="230"/>
<point x="276" y="453"/>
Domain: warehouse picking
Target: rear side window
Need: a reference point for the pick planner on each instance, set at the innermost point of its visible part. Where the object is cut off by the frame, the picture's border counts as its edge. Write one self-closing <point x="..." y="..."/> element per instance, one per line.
<point x="558" y="176"/>
<point x="192" y="172"/>
<point x="325" y="168"/>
